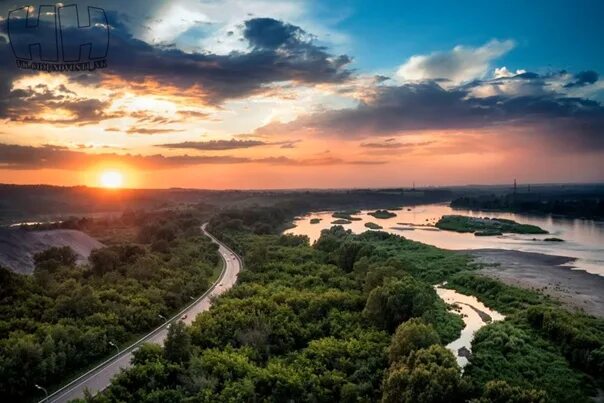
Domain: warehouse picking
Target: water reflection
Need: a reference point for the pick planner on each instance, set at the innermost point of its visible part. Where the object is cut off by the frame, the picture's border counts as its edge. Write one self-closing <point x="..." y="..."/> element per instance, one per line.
<point x="474" y="314"/>
<point x="584" y="239"/>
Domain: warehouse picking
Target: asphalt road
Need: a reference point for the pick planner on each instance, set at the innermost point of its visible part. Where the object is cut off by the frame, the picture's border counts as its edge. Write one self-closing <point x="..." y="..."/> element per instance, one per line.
<point x="99" y="377"/>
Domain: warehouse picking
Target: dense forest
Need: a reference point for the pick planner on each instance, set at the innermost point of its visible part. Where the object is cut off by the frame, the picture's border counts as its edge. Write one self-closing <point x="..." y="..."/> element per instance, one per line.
<point x="588" y="204"/>
<point x="66" y="317"/>
<point x="355" y="318"/>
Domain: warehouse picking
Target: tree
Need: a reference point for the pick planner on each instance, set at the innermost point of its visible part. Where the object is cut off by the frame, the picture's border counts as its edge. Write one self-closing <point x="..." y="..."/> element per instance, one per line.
<point x="52" y="258"/>
<point x="103" y="261"/>
<point x="148" y="352"/>
<point x="502" y="392"/>
<point x="177" y="348"/>
<point x="397" y="301"/>
<point x="427" y="376"/>
<point x="410" y="336"/>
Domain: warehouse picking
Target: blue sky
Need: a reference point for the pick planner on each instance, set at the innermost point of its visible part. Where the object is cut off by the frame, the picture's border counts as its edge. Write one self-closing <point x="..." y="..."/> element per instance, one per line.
<point x="552" y="34"/>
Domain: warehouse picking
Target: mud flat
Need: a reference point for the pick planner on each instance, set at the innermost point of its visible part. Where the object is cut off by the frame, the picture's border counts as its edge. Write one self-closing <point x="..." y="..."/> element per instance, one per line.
<point x="18" y="246"/>
<point x="552" y="275"/>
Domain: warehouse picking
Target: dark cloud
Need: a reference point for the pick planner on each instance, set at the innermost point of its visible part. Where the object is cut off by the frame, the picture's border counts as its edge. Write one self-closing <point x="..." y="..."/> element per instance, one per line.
<point x="583" y="78"/>
<point x="220" y="145"/>
<point x="268" y="33"/>
<point x="27" y="105"/>
<point x="280" y="52"/>
<point x="18" y="157"/>
<point x="215" y="145"/>
<point x="428" y="106"/>
<point x="390" y="144"/>
<point x="55" y="157"/>
<point x="142" y="130"/>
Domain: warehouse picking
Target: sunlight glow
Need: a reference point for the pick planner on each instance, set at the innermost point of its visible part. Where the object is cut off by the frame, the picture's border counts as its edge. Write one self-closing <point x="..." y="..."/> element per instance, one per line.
<point x="111" y="179"/>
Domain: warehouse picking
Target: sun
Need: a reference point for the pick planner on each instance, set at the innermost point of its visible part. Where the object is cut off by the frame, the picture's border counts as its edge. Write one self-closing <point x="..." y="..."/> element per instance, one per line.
<point x="112" y="179"/>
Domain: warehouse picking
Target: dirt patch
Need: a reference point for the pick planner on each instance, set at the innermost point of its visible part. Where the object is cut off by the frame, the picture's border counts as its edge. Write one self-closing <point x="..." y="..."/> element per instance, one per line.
<point x="574" y="288"/>
<point x="18" y="246"/>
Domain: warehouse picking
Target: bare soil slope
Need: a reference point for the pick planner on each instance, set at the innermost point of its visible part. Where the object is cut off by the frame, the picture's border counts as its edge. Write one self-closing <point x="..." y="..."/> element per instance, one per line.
<point x="18" y="246"/>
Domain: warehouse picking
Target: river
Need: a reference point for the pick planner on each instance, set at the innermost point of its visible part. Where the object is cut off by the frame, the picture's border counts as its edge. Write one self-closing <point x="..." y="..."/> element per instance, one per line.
<point x="583" y="239"/>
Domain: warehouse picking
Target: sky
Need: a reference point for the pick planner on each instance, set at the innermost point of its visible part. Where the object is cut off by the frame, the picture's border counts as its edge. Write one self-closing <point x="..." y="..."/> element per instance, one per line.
<point x="309" y="94"/>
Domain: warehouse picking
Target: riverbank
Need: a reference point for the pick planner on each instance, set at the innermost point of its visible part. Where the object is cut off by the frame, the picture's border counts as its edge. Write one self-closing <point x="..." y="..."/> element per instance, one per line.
<point x="548" y="274"/>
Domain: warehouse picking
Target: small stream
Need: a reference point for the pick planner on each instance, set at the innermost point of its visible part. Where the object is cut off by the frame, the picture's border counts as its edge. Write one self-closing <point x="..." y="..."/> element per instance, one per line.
<point x="474" y="314"/>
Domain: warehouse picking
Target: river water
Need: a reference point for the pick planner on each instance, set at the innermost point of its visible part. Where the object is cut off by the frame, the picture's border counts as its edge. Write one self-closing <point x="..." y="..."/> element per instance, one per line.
<point x="474" y="314"/>
<point x="583" y="239"/>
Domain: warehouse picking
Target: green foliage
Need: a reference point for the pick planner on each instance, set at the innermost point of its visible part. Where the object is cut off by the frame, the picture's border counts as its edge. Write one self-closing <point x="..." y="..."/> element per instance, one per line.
<point x="427" y="376"/>
<point x="485" y="226"/>
<point x="346" y="215"/>
<point x="382" y="214"/>
<point x="341" y="221"/>
<point x="502" y="392"/>
<point x="580" y="337"/>
<point x="314" y="324"/>
<point x="501" y="297"/>
<point x="410" y="336"/>
<point x="177" y="347"/>
<point x="506" y="352"/>
<point x="397" y="301"/>
<point x="50" y="259"/>
<point x="60" y="320"/>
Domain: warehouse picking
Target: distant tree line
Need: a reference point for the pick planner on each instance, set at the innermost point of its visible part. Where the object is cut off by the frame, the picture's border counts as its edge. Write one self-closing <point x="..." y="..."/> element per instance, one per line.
<point x="572" y="205"/>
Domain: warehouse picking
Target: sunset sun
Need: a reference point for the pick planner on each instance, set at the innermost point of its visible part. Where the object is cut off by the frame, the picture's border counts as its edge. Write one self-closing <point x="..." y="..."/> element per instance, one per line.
<point x="111" y="179"/>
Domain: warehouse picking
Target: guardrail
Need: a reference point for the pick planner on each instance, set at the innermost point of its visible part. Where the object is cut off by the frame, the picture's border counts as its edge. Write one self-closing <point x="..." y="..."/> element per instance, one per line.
<point x="71" y="385"/>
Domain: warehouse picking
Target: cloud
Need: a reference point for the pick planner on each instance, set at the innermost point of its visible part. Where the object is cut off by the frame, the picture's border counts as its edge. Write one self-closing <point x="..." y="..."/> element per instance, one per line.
<point x="503" y="72"/>
<point x="390" y="144"/>
<point x="215" y="145"/>
<point x="268" y="33"/>
<point x="458" y="65"/>
<point x="583" y="78"/>
<point x="140" y="130"/>
<point x="220" y="145"/>
<point x="56" y="157"/>
<point x="279" y="52"/>
<point x="19" y="157"/>
<point x="427" y="106"/>
<point x="42" y="105"/>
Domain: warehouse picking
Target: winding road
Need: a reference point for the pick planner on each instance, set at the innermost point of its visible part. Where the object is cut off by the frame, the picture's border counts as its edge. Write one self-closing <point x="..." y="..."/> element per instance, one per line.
<point x="99" y="377"/>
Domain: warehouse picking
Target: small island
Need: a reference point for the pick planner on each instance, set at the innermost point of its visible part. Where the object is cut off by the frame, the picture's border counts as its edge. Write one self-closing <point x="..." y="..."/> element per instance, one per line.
<point x="372" y="225"/>
<point x="346" y="215"/>
<point x="382" y="214"/>
<point x="341" y="222"/>
<point x="486" y="226"/>
<point x="315" y="220"/>
<point x="553" y="239"/>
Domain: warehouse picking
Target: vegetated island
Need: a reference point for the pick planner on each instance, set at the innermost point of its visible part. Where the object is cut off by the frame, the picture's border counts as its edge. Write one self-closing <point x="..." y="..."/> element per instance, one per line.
<point x="341" y="221"/>
<point x="486" y="226"/>
<point x="346" y="215"/>
<point x="315" y="220"/>
<point x="382" y="214"/>
<point x="553" y="239"/>
<point x="372" y="225"/>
